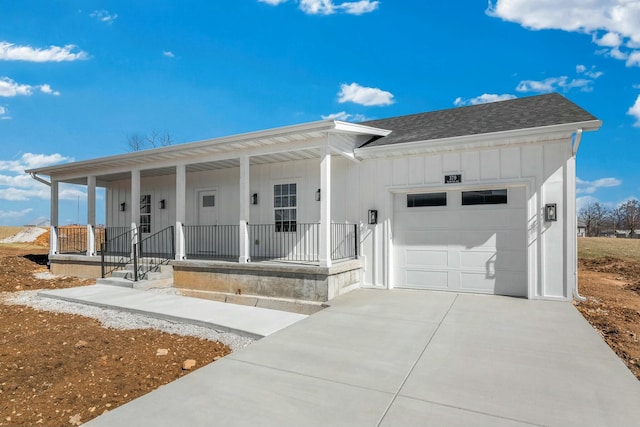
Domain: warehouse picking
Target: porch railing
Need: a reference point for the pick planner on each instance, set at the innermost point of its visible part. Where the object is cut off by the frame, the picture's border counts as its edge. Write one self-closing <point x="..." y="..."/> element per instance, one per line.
<point x="300" y="243"/>
<point x="153" y="251"/>
<point x="73" y="239"/>
<point x="116" y="253"/>
<point x="212" y="241"/>
<point x="344" y="241"/>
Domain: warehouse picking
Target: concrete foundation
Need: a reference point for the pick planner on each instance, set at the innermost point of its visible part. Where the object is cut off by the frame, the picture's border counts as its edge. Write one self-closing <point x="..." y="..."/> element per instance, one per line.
<point x="279" y="281"/>
<point x="83" y="266"/>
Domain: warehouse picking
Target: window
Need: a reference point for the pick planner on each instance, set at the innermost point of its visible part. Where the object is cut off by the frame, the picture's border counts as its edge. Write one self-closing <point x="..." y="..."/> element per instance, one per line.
<point x="145" y="213"/>
<point x="426" y="199"/>
<point x="208" y="201"/>
<point x="284" y="203"/>
<point x="484" y="197"/>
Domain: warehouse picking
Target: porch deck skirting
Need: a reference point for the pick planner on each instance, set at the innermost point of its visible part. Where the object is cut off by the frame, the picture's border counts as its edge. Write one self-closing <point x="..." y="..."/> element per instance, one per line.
<point x="293" y="282"/>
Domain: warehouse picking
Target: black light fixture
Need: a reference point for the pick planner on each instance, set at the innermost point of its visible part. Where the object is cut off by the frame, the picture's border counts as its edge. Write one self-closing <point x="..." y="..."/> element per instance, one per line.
<point x="162" y="204"/>
<point x="254" y="199"/>
<point x="373" y="216"/>
<point x="123" y="206"/>
<point x="318" y="195"/>
<point x="550" y="212"/>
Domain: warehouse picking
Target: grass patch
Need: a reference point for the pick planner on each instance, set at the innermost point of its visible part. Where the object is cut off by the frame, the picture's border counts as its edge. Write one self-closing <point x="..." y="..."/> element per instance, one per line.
<point x="600" y="247"/>
<point x="9" y="231"/>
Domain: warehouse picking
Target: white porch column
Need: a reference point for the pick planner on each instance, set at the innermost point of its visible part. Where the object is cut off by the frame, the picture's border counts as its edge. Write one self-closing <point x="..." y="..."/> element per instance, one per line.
<point x="244" y="209"/>
<point x="135" y="204"/>
<point x="325" y="205"/>
<point x="91" y="215"/>
<point x="53" y="239"/>
<point x="181" y="209"/>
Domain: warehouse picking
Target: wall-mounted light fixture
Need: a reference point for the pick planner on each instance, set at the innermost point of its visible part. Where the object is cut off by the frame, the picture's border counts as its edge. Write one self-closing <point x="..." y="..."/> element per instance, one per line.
<point x="318" y="195"/>
<point x="550" y="212"/>
<point x="254" y="199"/>
<point x="373" y="216"/>
<point x="123" y="206"/>
<point x="162" y="204"/>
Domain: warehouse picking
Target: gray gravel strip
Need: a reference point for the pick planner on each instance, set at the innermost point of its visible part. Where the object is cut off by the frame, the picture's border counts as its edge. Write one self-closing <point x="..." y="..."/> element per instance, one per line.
<point x="121" y="320"/>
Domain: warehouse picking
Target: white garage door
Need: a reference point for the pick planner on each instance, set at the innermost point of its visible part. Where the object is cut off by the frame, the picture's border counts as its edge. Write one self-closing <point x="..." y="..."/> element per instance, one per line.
<point x="463" y="241"/>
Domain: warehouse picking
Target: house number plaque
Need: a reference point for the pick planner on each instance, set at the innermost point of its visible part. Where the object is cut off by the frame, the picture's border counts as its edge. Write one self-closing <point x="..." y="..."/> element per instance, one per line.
<point x="453" y="179"/>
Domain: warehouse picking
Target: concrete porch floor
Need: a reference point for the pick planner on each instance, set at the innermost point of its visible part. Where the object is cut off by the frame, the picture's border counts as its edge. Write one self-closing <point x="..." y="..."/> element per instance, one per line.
<point x="396" y="358"/>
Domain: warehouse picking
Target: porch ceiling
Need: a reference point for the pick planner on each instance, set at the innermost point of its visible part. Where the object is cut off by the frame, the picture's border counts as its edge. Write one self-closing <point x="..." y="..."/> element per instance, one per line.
<point x="270" y="146"/>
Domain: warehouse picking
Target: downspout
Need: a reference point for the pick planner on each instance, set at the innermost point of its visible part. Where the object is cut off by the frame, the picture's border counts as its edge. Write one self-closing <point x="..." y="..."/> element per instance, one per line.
<point x="576" y="293"/>
<point x="37" y="178"/>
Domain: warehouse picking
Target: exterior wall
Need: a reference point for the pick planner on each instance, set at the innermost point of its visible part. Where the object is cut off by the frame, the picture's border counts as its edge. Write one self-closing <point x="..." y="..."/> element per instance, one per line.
<point x="305" y="173"/>
<point x="542" y="167"/>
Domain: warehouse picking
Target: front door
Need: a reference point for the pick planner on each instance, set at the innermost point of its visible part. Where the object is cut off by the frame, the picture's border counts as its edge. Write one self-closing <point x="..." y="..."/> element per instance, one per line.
<point x="207" y="207"/>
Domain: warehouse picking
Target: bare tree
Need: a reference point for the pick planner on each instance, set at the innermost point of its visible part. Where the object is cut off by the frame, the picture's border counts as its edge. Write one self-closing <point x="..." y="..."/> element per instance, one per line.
<point x="137" y="142"/>
<point x="594" y="217"/>
<point x="629" y="215"/>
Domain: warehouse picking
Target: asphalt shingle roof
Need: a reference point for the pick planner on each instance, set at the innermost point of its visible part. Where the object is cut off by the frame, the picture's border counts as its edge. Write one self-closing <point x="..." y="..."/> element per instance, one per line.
<point x="521" y="113"/>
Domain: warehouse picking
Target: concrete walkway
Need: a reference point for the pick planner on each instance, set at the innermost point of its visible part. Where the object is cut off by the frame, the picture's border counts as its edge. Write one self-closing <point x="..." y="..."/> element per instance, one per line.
<point x="252" y="322"/>
<point x="404" y="358"/>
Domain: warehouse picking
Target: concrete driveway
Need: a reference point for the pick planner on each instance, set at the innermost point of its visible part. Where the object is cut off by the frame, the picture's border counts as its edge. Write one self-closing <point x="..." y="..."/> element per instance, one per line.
<point x="404" y="358"/>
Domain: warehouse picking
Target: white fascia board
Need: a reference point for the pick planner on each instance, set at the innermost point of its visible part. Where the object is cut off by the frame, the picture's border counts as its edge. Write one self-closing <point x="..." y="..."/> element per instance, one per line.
<point x="346" y="127"/>
<point x="516" y="136"/>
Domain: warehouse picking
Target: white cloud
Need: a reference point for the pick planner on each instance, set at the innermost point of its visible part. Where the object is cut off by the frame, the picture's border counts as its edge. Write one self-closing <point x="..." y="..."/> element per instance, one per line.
<point x="16" y="186"/>
<point x="47" y="89"/>
<point x="32" y="161"/>
<point x="608" y="40"/>
<point x="583" y="201"/>
<point x="483" y="99"/>
<point x="168" y="54"/>
<point x="12" y="52"/>
<point x="10" y="88"/>
<point x="611" y="23"/>
<point x="14" y="214"/>
<point x="104" y="16"/>
<point x="345" y="117"/>
<point x="359" y="7"/>
<point x="633" y="59"/>
<point x="590" y="187"/>
<point x="634" y="111"/>
<point x="552" y="84"/>
<point x="328" y="7"/>
<point x="3" y="113"/>
<point x="368" y="96"/>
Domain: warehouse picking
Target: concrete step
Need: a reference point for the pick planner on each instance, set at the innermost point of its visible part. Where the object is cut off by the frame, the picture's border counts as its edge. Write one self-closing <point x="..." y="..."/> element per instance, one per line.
<point x="115" y="281"/>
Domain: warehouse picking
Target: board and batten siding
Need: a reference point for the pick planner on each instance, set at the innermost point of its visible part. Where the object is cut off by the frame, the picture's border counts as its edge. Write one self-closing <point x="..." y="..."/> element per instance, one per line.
<point x="541" y="167"/>
<point x="357" y="187"/>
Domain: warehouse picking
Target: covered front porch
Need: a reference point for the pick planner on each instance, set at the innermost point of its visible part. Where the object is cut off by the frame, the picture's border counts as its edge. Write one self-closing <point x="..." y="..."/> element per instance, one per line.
<point x="217" y="206"/>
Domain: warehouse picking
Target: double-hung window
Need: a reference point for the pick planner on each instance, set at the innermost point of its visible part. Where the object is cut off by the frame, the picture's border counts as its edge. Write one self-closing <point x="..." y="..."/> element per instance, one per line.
<point x="285" y="207"/>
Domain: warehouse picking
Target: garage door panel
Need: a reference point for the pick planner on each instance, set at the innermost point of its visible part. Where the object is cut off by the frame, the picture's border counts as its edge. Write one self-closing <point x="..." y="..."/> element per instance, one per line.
<point x="492" y="261"/>
<point x="504" y="283"/>
<point x="493" y="219"/>
<point x="416" y="237"/>
<point x="471" y="248"/>
<point x="427" y="258"/>
<point x="419" y="278"/>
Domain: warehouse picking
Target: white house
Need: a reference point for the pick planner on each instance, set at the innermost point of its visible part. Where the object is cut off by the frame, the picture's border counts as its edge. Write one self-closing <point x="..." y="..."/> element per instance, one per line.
<point x="474" y="199"/>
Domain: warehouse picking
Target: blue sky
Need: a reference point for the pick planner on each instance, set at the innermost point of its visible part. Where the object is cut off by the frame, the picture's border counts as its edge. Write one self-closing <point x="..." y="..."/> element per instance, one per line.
<point x="77" y="77"/>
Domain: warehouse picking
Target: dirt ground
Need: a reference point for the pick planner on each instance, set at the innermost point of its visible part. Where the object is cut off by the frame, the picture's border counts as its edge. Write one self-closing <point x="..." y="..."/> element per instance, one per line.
<point x="612" y="288"/>
<point x="63" y="370"/>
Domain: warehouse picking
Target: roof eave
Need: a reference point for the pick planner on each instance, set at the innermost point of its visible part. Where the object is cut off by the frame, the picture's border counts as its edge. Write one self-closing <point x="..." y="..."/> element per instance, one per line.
<point x="317" y="126"/>
<point x="497" y="138"/>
